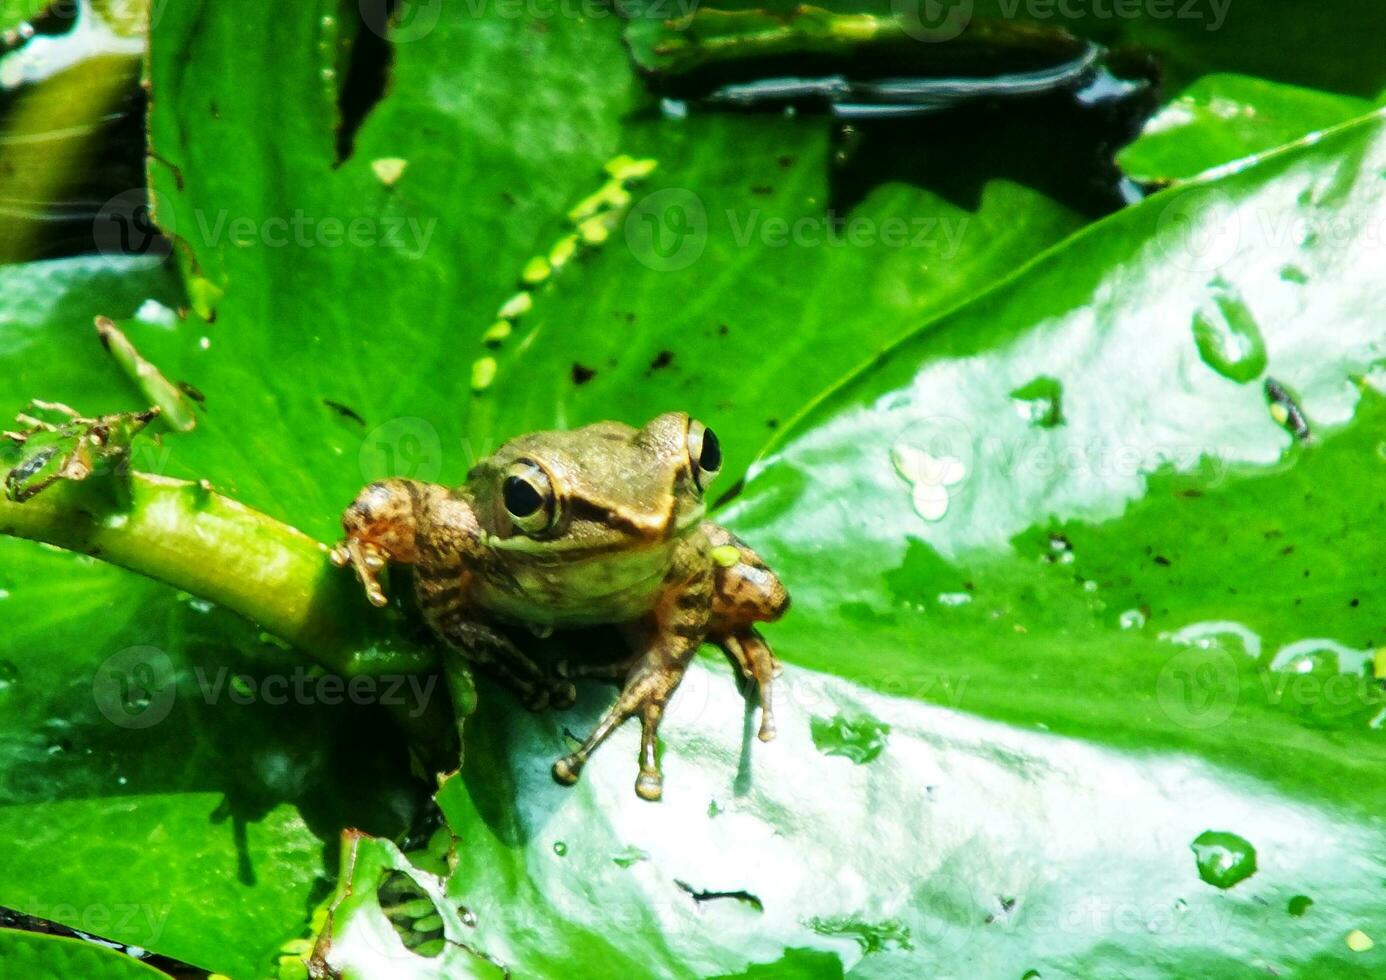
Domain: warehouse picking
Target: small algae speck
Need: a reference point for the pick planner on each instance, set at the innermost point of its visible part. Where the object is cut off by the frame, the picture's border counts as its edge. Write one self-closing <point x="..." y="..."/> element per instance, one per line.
<point x="859" y="738"/>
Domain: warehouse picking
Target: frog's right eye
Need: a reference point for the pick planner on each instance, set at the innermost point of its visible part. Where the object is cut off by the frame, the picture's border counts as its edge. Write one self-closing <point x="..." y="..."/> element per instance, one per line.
<point x="528" y="497"/>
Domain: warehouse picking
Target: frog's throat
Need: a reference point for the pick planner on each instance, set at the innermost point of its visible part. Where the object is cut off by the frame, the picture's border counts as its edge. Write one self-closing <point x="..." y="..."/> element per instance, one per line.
<point x="542" y="546"/>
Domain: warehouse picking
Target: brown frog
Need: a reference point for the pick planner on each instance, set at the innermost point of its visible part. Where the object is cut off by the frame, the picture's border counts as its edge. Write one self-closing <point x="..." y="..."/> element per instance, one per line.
<point x="600" y="525"/>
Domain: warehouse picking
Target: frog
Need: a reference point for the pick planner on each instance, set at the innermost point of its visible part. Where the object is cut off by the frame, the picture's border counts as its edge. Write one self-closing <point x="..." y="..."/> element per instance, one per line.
<point x="602" y="525"/>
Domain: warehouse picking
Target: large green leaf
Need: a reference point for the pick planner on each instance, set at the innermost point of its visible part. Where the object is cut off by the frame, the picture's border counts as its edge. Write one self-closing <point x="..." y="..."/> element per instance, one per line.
<point x="43" y="957"/>
<point x="1127" y="581"/>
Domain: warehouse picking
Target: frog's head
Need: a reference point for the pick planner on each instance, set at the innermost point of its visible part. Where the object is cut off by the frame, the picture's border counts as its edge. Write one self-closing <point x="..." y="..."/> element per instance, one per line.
<point x="602" y="488"/>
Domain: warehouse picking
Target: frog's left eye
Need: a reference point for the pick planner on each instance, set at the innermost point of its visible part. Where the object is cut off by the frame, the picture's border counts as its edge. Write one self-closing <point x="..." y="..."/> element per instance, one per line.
<point x="705" y="453"/>
<point x="528" y="497"/>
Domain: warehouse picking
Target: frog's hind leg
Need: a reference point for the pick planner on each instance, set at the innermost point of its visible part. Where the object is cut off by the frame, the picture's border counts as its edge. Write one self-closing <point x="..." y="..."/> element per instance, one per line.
<point x="749" y="651"/>
<point x="486" y="646"/>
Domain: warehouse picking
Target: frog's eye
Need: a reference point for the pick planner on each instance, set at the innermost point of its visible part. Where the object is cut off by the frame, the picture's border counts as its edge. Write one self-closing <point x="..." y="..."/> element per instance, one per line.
<point x="528" y="497"/>
<point x="705" y="453"/>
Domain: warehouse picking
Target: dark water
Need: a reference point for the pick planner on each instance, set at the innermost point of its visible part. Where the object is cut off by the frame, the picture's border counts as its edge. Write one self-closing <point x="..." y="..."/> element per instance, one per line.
<point x="107" y="144"/>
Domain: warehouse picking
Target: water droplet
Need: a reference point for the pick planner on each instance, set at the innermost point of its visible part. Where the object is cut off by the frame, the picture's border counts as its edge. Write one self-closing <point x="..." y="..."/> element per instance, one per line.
<point x="467" y="915"/>
<point x="560" y="848"/>
<point x="9" y="675"/>
<point x="121" y="780"/>
<point x="859" y="738"/>
<point x="1298" y="905"/>
<point x="1223" y="858"/>
<point x="1089" y="586"/>
<point x="4" y="593"/>
<point x="1321" y="654"/>
<point x="1040" y="402"/>
<point x="1215" y="635"/>
<point x="954" y="598"/>
<point x="1228" y="338"/>
<point x="1132" y="619"/>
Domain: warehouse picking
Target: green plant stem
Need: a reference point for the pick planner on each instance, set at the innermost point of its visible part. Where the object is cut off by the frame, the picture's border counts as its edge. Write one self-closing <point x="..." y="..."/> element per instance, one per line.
<point x="213" y="547"/>
<point x="210" y="546"/>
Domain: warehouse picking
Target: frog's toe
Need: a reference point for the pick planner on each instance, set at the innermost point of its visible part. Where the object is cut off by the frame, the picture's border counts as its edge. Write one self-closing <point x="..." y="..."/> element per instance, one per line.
<point x="567" y="769"/>
<point x="752" y="654"/>
<point x="649" y="785"/>
<point x="562" y="694"/>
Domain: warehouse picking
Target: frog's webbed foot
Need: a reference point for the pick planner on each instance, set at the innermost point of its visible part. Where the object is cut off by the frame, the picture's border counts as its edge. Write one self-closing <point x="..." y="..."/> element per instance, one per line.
<point x="752" y="654"/>
<point x="368" y="560"/>
<point x="650" y="682"/>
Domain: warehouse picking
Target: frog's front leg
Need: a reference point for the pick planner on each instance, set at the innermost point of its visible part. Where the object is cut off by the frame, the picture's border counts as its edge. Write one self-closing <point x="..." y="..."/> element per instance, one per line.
<point x="664" y="642"/>
<point x="746" y="592"/>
